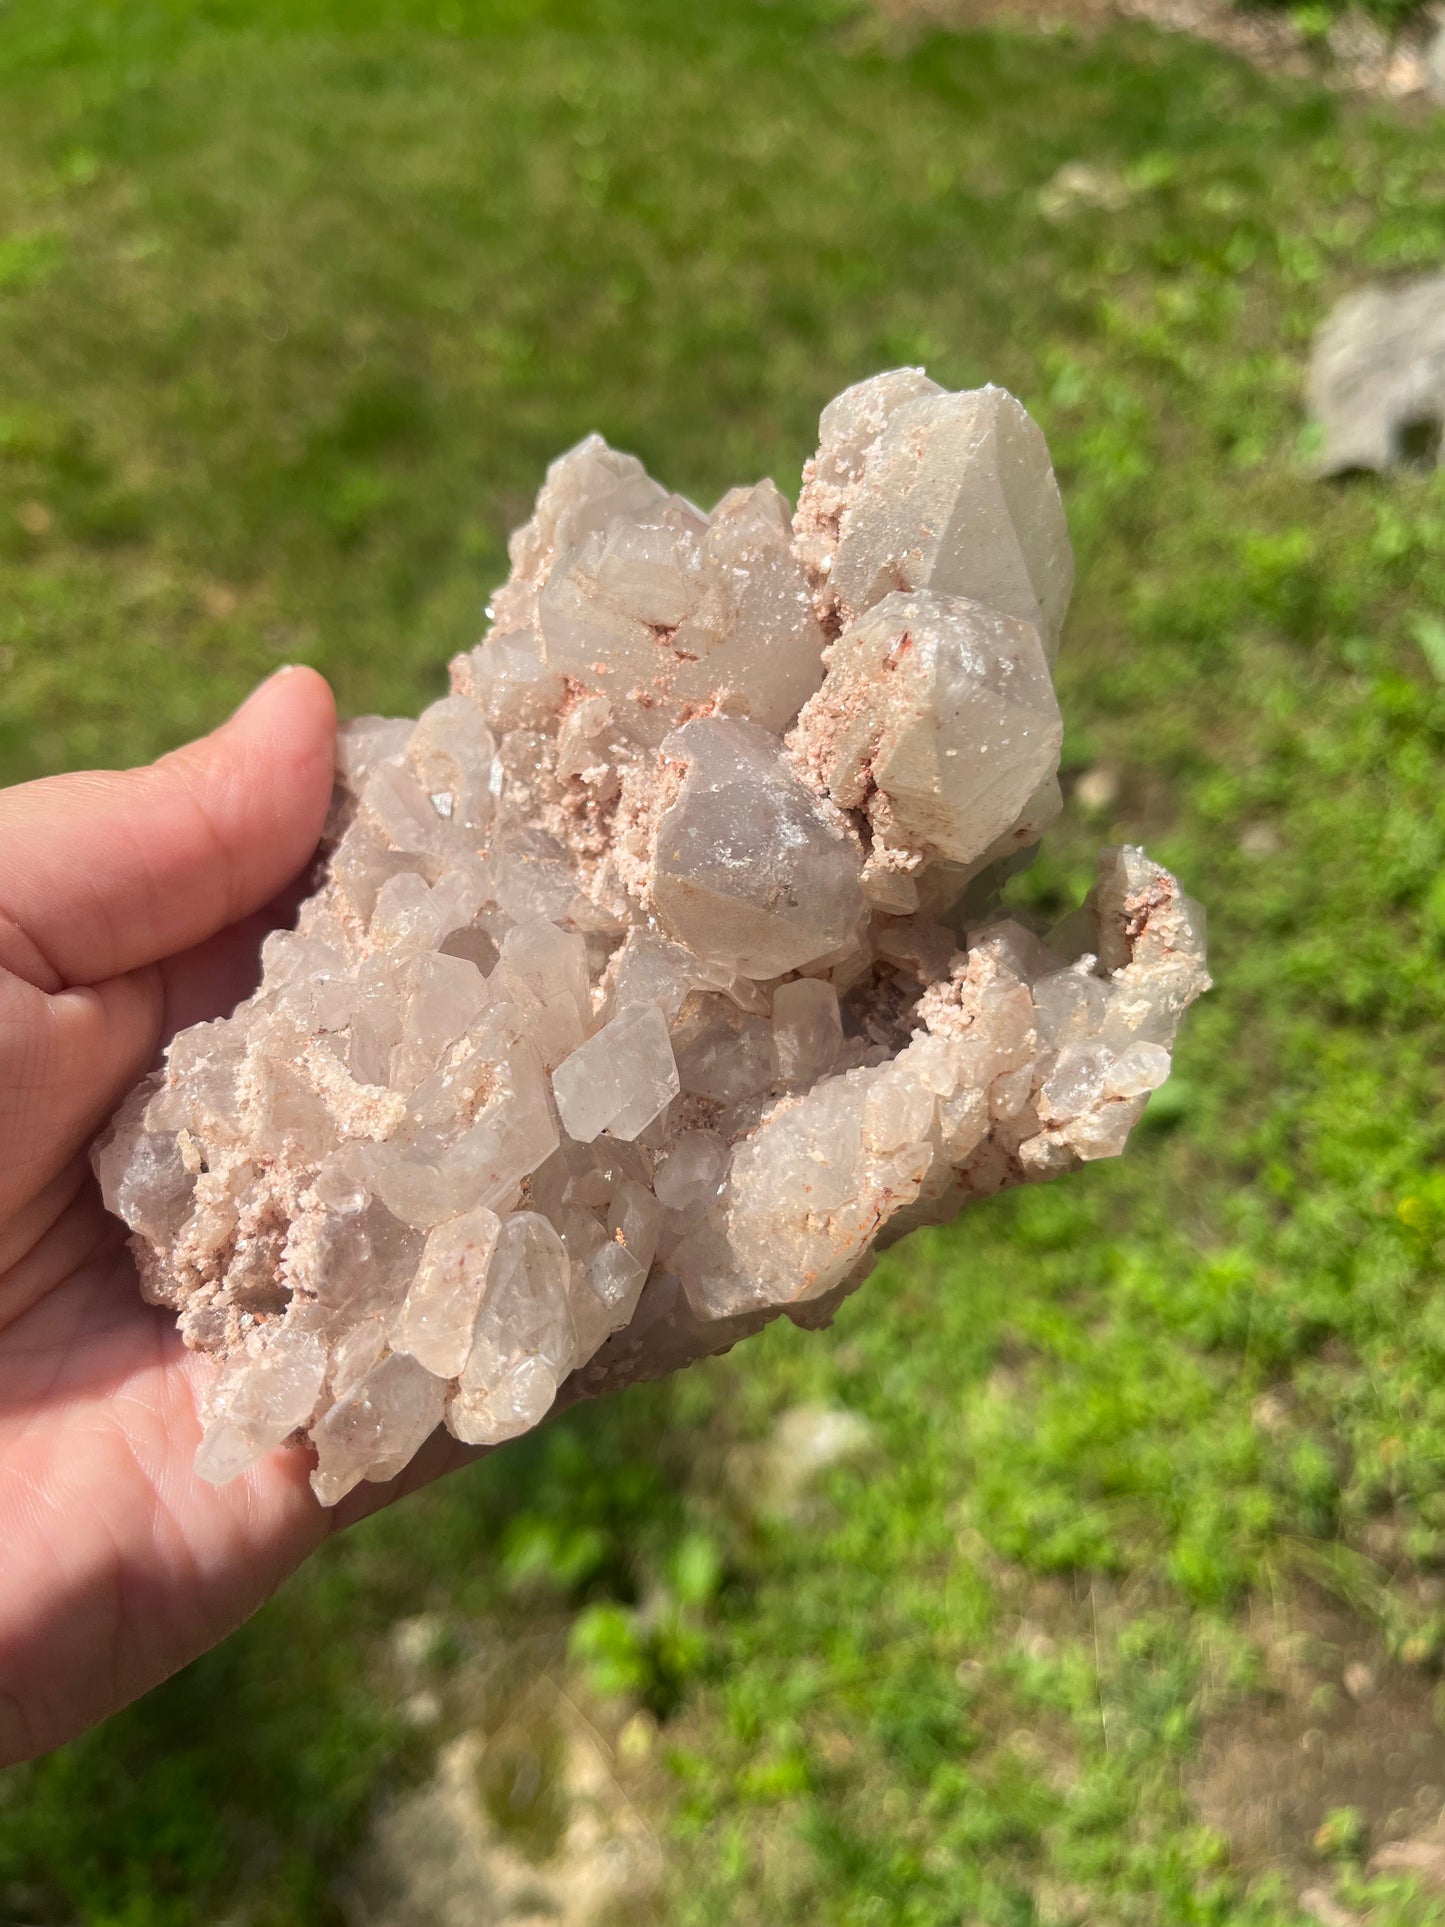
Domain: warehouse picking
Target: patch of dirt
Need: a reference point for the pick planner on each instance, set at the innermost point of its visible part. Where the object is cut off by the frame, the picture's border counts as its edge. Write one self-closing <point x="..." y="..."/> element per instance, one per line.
<point x="1338" y="1724"/>
<point x="528" y="1819"/>
<point x="1335" y="1723"/>
<point x="1356" y="54"/>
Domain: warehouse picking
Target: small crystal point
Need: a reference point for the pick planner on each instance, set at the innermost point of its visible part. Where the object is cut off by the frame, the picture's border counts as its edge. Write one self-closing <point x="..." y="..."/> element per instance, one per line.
<point x="938" y="719"/>
<point x="634" y="1007"/>
<point x="620" y="1079"/>
<point x="747" y="871"/>
<point x="376" y="1428"/>
<point x="439" y="1311"/>
<point x="257" y="1402"/>
<point x="526" y="1338"/>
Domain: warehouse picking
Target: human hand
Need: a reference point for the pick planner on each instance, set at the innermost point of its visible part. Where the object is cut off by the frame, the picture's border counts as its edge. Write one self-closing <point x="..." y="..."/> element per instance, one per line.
<point x="131" y="904"/>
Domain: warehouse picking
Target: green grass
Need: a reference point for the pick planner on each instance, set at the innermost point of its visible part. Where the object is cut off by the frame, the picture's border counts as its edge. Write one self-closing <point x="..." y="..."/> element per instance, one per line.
<point x="296" y="299"/>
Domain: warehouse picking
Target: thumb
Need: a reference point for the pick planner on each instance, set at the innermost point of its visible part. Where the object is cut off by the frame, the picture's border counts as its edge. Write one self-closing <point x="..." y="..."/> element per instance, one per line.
<point x="104" y="871"/>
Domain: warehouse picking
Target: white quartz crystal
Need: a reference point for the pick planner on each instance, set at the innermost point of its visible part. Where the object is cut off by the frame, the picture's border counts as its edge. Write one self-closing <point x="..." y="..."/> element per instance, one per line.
<point x="938" y="720"/>
<point x="438" y="1316"/>
<point x="955" y="494"/>
<point x="620" y="1079"/>
<point x="748" y="869"/>
<point x="659" y="975"/>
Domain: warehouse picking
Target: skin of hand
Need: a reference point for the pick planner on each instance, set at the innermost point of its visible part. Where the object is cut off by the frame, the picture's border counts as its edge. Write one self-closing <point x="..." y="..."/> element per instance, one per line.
<point x="132" y="903"/>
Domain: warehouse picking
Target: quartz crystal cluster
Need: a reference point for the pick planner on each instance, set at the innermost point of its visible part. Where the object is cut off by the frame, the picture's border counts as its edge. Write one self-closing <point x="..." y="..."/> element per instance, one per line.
<point x="658" y="973"/>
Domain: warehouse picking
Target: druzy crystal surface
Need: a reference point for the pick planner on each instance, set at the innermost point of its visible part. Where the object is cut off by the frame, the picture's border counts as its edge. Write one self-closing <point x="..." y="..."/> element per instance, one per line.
<point x="658" y="974"/>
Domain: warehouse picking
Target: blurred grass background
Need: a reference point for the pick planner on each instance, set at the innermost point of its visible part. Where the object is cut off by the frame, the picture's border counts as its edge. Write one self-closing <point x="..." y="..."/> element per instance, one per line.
<point x="297" y="297"/>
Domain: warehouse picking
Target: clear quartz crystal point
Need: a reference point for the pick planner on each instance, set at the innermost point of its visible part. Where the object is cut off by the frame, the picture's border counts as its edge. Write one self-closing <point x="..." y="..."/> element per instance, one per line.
<point x="658" y="974"/>
<point x="620" y="1079"/>
<point x="938" y="720"/>
<point x="957" y="495"/>
<point x="525" y="1340"/>
<point x="376" y="1428"/>
<point x="256" y="1402"/>
<point x="748" y="871"/>
<point x="438" y="1314"/>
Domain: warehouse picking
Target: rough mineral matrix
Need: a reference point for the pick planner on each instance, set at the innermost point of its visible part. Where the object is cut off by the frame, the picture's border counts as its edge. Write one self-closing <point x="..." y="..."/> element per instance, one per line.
<point x="658" y="975"/>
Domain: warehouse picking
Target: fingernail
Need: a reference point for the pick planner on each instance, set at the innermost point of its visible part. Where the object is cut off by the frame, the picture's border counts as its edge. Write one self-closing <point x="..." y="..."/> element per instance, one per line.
<point x="260" y="690"/>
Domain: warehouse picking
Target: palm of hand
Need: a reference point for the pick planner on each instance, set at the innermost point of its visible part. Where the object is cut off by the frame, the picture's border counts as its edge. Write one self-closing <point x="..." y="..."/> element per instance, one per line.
<point x="119" y="1564"/>
<point x="130" y="908"/>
